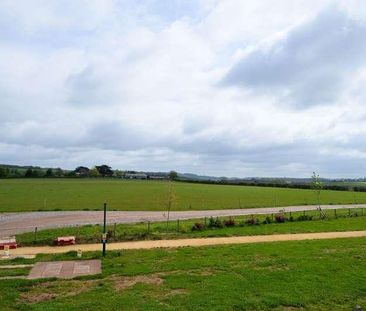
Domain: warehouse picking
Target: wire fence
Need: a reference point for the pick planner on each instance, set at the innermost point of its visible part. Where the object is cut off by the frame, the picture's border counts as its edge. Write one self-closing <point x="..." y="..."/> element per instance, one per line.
<point x="147" y="229"/>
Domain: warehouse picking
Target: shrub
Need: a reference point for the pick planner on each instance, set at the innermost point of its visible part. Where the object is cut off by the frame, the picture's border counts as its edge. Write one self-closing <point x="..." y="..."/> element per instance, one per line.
<point x="183" y="229"/>
<point x="253" y="221"/>
<point x="268" y="220"/>
<point x="215" y="223"/>
<point x="291" y="218"/>
<point x="242" y="223"/>
<point x="304" y="217"/>
<point x="229" y="222"/>
<point x="110" y="234"/>
<point x="280" y="218"/>
<point x="198" y="226"/>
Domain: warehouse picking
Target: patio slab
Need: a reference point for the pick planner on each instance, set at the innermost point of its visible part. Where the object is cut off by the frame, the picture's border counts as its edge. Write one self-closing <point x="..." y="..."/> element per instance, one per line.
<point x="65" y="269"/>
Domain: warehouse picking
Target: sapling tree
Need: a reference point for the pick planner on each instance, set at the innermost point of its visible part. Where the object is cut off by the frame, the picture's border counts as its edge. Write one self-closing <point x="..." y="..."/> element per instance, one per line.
<point x="316" y="184"/>
<point x="171" y="199"/>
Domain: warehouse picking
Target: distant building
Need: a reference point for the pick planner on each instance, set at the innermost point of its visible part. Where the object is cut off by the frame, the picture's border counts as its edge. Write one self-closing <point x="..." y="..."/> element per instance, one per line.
<point x="135" y="176"/>
<point x="157" y="175"/>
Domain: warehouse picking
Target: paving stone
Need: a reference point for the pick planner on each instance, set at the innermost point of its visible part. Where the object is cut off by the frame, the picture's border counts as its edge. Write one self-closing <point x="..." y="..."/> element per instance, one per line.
<point x="65" y="269"/>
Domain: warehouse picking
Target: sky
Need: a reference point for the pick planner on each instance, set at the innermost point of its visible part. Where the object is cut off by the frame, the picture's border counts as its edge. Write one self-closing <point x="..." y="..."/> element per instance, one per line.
<point x="226" y="88"/>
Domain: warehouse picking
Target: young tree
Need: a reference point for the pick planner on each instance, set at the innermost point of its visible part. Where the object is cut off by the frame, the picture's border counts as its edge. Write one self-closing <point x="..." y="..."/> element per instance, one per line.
<point x="170" y="201"/>
<point x="316" y="184"/>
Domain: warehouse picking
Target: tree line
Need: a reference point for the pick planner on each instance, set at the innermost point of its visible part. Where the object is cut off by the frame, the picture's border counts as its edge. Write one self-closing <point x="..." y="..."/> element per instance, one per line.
<point x="79" y="172"/>
<point x="335" y="187"/>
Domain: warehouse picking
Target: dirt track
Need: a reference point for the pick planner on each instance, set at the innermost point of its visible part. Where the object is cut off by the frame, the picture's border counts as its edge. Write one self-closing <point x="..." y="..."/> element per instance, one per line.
<point x="13" y="223"/>
<point x="189" y="242"/>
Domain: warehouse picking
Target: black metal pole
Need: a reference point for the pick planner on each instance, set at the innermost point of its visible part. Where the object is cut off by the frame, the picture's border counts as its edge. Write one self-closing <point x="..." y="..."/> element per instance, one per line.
<point x="104" y="238"/>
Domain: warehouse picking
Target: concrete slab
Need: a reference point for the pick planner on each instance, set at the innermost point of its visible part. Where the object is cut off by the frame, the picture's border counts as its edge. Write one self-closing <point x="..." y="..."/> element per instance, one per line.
<point x="65" y="269"/>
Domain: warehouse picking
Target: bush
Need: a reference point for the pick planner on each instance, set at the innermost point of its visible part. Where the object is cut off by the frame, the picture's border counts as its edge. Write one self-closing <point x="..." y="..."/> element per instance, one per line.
<point x="242" y="223"/>
<point x="268" y="220"/>
<point x="229" y="222"/>
<point x="198" y="226"/>
<point x="304" y="218"/>
<point x="253" y="221"/>
<point x="280" y="218"/>
<point x="215" y="223"/>
<point x="110" y="234"/>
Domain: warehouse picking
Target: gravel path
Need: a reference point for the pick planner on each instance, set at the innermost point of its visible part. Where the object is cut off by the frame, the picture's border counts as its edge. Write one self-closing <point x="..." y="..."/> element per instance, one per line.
<point x="14" y="223"/>
<point x="189" y="242"/>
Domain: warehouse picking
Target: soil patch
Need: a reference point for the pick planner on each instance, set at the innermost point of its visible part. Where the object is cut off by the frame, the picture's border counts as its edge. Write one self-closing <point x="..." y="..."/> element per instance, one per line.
<point x="51" y="290"/>
<point x="123" y="282"/>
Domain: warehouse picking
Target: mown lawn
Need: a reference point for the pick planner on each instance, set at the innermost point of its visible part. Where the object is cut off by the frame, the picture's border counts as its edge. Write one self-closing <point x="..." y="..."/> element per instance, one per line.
<point x="306" y="275"/>
<point x="89" y="194"/>
<point x="347" y="220"/>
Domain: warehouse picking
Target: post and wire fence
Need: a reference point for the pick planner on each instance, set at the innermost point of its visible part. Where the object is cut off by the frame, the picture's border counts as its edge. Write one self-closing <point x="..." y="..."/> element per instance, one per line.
<point x="148" y="229"/>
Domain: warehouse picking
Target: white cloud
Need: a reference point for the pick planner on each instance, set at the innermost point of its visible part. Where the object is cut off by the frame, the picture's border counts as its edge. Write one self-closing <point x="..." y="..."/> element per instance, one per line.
<point x="139" y="88"/>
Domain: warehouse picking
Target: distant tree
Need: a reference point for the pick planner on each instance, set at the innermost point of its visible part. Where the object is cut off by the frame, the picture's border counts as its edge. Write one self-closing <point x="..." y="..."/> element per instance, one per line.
<point x="82" y="171"/>
<point x="59" y="172"/>
<point x="94" y="172"/>
<point x="69" y="174"/>
<point x="36" y="173"/>
<point x="104" y="170"/>
<point x="15" y="173"/>
<point x="2" y="172"/>
<point x="28" y="173"/>
<point x="49" y="173"/>
<point x="173" y="175"/>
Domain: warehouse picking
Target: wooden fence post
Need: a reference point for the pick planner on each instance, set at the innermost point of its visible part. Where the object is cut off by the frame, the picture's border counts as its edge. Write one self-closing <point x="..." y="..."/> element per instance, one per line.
<point x="177" y="225"/>
<point x="148" y="227"/>
<point x="35" y="234"/>
<point x="335" y="213"/>
<point x="114" y="230"/>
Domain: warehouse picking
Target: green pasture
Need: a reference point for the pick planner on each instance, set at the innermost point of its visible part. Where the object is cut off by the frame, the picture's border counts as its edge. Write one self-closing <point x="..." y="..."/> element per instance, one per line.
<point x="89" y="194"/>
<point x="296" y="275"/>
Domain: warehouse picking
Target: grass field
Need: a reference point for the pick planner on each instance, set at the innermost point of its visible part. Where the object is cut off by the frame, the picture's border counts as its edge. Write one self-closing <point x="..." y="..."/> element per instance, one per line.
<point x="306" y="275"/>
<point x="89" y="194"/>
<point x="354" y="221"/>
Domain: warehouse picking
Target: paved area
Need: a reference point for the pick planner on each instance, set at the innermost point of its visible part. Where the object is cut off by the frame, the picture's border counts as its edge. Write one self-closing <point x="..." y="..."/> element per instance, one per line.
<point x="65" y="269"/>
<point x="13" y="223"/>
<point x="190" y="242"/>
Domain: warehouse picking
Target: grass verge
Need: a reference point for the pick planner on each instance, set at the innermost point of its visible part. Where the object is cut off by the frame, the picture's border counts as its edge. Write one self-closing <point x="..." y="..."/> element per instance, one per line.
<point x="305" y="275"/>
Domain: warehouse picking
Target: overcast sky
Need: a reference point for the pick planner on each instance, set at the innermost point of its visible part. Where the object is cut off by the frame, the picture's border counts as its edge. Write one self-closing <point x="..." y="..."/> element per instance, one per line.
<point x="225" y="88"/>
